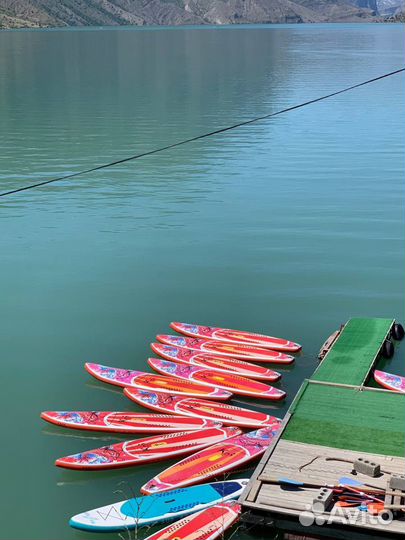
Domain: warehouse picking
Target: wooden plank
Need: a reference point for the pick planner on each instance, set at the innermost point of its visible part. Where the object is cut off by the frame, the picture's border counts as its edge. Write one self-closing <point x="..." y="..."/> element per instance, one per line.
<point x="283" y="507"/>
<point x="397" y="501"/>
<point x="290" y="451"/>
<point x="251" y="496"/>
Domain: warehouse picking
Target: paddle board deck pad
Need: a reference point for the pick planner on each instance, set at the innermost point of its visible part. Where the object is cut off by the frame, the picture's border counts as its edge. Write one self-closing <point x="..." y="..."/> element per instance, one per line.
<point x="151" y="381"/>
<point x="126" y="422"/>
<point x="226" y="381"/>
<point x="210" y="410"/>
<point x="235" y="336"/>
<point x="208" y="524"/>
<point x="145" y="450"/>
<point x="244" y="352"/>
<point x="213" y="461"/>
<point x="390" y="381"/>
<point x="223" y="364"/>
<point x="157" y="508"/>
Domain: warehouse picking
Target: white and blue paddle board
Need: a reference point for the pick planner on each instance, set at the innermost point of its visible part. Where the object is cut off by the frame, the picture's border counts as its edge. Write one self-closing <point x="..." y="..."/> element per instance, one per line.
<point x="157" y="508"/>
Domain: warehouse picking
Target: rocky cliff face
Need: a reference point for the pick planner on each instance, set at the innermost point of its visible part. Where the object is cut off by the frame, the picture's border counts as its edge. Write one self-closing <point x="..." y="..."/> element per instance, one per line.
<point x="369" y="4"/>
<point x="37" y="13"/>
<point x="390" y="7"/>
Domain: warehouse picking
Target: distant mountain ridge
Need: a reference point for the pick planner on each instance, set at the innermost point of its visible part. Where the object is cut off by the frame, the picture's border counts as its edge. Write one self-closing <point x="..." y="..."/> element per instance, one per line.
<point x="43" y="13"/>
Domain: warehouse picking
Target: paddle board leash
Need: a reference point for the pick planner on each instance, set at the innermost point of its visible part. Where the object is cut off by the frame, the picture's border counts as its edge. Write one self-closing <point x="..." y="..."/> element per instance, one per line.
<point x="202" y="136"/>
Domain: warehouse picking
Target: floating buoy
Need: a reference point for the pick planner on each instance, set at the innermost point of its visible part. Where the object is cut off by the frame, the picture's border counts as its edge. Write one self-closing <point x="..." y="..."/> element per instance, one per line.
<point x="387" y="350"/>
<point x="398" y="331"/>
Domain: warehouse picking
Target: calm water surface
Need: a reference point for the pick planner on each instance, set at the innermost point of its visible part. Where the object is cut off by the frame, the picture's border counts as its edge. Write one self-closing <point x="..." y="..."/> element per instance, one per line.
<point x="290" y="226"/>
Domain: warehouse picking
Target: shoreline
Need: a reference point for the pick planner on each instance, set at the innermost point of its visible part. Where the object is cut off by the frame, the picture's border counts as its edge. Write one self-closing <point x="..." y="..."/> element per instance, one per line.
<point x="200" y="26"/>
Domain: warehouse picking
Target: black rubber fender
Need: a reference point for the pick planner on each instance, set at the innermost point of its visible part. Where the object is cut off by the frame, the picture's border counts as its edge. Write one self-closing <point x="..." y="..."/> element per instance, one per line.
<point x="398" y="331"/>
<point x="387" y="349"/>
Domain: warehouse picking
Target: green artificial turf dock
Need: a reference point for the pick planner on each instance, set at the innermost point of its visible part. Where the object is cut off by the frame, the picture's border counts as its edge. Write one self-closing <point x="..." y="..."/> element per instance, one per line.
<point x="354" y="352"/>
<point x="350" y="418"/>
<point x="335" y="417"/>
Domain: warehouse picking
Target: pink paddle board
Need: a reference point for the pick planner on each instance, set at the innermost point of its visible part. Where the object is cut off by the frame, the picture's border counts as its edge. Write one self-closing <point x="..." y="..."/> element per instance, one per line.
<point x="151" y="381"/>
<point x="235" y="336"/>
<point x="245" y="352"/>
<point x="390" y="381"/>
<point x="210" y="410"/>
<point x="207" y="524"/>
<point x="149" y="449"/>
<point x="223" y="364"/>
<point x="226" y="381"/>
<point x="126" y="422"/>
<point x="213" y="461"/>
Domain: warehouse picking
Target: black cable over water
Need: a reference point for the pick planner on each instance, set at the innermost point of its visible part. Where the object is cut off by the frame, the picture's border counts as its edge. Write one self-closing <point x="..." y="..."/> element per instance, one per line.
<point x="198" y="137"/>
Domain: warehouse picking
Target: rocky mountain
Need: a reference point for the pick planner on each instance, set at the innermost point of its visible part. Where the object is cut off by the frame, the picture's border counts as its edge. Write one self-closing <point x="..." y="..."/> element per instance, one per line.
<point x="369" y="4"/>
<point x="39" y="13"/>
<point x="390" y="7"/>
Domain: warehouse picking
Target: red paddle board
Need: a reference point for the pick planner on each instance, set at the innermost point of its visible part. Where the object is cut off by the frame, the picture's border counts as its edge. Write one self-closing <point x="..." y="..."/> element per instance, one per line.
<point x="126" y="422"/>
<point x="396" y="383"/>
<point x="223" y="364"/>
<point x="213" y="461"/>
<point x="245" y="352"/>
<point x="159" y="447"/>
<point x="226" y="381"/>
<point x="151" y="381"/>
<point x="235" y="336"/>
<point x="211" y="410"/>
<point x="207" y="524"/>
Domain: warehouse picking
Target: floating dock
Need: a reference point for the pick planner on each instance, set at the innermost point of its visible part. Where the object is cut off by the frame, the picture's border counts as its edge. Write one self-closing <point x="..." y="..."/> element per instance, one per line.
<point x="333" y="420"/>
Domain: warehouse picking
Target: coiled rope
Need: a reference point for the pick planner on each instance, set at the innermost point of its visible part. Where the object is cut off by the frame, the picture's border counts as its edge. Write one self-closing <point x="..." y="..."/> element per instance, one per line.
<point x="199" y="137"/>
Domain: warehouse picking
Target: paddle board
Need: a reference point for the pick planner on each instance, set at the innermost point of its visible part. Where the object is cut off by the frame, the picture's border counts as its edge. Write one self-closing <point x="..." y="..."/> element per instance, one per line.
<point x="223" y="364"/>
<point x="227" y="414"/>
<point x="390" y="381"/>
<point x="213" y="461"/>
<point x="235" y="336"/>
<point x="145" y="450"/>
<point x="205" y="525"/>
<point x="157" y="508"/>
<point x="245" y="352"/>
<point x="126" y="422"/>
<point x="151" y="381"/>
<point x="226" y="381"/>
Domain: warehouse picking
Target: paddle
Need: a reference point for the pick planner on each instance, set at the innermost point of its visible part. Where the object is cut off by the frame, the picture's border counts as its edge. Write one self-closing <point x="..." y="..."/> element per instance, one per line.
<point x="356" y="483"/>
<point x="343" y="482"/>
<point x="348" y="482"/>
<point x="347" y="504"/>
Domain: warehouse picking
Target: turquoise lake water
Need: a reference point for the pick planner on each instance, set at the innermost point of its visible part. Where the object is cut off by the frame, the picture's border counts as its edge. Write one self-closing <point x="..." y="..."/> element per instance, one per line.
<point x="289" y="226"/>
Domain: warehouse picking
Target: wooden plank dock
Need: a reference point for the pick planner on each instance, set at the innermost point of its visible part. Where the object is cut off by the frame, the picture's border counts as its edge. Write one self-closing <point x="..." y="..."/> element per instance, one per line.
<point x="333" y="420"/>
